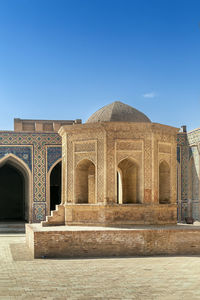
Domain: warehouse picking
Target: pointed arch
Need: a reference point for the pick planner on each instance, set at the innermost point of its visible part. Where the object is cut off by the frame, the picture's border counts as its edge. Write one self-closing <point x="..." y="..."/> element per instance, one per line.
<point x="21" y="166"/>
<point x="129" y="174"/>
<point x="119" y="186"/>
<point x="48" y="187"/>
<point x="85" y="182"/>
<point x="164" y="182"/>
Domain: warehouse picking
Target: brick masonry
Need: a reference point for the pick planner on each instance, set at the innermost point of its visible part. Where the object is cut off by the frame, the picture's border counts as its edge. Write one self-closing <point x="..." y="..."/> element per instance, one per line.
<point x="143" y="146"/>
<point x="71" y="242"/>
<point x="188" y="174"/>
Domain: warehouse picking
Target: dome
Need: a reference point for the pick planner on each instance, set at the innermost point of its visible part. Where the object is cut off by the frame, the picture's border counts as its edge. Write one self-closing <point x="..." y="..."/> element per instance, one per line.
<point x="118" y="112"/>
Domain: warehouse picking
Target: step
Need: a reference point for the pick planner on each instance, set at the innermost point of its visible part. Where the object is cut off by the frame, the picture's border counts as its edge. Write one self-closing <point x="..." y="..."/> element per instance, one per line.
<point x="12" y="227"/>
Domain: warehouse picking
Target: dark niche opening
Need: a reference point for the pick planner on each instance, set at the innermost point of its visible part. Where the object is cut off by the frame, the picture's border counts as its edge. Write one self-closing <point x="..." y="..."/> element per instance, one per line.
<point x="12" y="193"/>
<point x="55" y="186"/>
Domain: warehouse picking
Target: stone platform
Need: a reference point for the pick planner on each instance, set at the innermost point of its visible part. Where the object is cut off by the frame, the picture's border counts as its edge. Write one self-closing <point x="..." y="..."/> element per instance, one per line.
<point x="79" y="241"/>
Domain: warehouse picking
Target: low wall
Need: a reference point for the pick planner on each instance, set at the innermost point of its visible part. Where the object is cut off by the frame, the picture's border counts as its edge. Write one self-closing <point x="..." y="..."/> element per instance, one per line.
<point x="126" y="214"/>
<point x="73" y="241"/>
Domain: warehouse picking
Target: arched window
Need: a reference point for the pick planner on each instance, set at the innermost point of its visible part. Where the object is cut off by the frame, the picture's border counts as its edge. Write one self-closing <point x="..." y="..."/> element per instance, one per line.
<point x="128" y="178"/>
<point x="55" y="186"/>
<point x="85" y="182"/>
<point x="164" y="183"/>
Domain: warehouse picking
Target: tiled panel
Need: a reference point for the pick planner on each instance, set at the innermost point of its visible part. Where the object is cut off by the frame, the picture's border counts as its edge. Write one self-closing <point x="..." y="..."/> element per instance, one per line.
<point x="24" y="153"/>
<point x="178" y="154"/>
<point x="38" y="141"/>
<point x="53" y="154"/>
<point x="39" y="211"/>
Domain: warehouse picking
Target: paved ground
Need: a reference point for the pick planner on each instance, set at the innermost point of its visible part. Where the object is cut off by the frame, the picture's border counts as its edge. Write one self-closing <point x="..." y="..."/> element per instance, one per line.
<point x="162" y="278"/>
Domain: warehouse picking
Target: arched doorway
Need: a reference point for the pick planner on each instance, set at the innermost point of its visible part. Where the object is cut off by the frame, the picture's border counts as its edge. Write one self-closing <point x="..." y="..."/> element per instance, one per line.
<point x="15" y="189"/>
<point x="12" y="193"/>
<point x="164" y="183"/>
<point x="85" y="182"/>
<point x="55" y="186"/>
<point x="128" y="182"/>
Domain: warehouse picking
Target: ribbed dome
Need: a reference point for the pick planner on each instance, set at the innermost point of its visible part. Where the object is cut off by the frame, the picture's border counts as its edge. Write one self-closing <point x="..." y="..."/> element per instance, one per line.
<point x="118" y="112"/>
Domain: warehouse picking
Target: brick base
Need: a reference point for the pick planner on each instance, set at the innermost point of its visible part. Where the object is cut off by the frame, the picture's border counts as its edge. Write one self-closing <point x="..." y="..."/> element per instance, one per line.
<point x="73" y="241"/>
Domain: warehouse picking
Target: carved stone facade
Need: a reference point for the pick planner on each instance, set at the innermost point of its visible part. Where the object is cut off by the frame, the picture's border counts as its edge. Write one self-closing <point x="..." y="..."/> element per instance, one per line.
<point x="120" y="164"/>
<point x="127" y="163"/>
<point x="188" y="172"/>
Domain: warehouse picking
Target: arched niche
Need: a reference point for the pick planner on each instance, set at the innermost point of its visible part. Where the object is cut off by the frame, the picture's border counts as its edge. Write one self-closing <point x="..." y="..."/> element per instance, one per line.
<point x="164" y="183"/>
<point x="85" y="186"/>
<point x="119" y="187"/>
<point x="13" y="168"/>
<point x="55" y="185"/>
<point x="128" y="175"/>
<point x="50" y="183"/>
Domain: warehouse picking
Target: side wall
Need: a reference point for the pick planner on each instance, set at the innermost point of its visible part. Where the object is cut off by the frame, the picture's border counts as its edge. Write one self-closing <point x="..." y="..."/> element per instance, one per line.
<point x="39" y="151"/>
<point x="188" y="174"/>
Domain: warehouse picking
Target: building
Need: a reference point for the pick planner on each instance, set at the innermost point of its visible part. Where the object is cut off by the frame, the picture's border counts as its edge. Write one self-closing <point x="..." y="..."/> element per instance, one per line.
<point x="30" y="169"/>
<point x="188" y="174"/>
<point x="117" y="159"/>
<point x="118" y="168"/>
<point x="119" y="184"/>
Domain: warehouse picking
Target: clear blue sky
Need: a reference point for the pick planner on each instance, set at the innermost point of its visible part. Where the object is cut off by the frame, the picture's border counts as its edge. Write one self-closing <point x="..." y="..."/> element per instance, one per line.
<point x="64" y="59"/>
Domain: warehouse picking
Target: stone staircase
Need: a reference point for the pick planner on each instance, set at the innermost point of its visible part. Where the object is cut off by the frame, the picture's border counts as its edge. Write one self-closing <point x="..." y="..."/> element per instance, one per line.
<point x="56" y="218"/>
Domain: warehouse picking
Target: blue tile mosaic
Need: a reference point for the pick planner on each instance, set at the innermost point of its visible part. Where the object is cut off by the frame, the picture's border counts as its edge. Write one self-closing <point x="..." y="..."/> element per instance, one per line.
<point x="18" y="144"/>
<point x="53" y="154"/>
<point x="39" y="212"/>
<point x="24" y="153"/>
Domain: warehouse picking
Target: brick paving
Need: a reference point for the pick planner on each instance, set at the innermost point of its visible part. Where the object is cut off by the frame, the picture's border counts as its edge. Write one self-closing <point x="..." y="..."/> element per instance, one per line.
<point x="162" y="278"/>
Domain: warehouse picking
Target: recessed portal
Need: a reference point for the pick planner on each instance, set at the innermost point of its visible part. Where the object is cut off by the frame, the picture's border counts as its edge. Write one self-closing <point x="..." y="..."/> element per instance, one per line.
<point x="12" y="193"/>
<point x="85" y="182"/>
<point x="55" y="186"/>
<point x="164" y="183"/>
<point x="128" y="182"/>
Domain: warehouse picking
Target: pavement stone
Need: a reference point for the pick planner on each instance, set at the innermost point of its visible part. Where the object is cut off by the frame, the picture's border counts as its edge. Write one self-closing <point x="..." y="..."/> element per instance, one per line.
<point x="140" y="278"/>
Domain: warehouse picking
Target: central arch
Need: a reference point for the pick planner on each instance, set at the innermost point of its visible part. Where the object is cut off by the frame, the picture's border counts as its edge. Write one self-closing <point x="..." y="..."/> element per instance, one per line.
<point x="15" y="189"/>
<point x="85" y="182"/>
<point x="128" y="179"/>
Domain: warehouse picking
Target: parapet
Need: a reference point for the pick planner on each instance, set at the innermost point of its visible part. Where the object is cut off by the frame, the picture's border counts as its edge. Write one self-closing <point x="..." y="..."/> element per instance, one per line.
<point x="42" y="125"/>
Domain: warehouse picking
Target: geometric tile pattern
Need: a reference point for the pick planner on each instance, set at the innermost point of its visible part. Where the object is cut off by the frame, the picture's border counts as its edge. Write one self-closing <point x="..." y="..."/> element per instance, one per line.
<point x="194" y="140"/>
<point x="195" y="173"/>
<point x="53" y="154"/>
<point x="194" y="137"/>
<point x="24" y="153"/>
<point x="184" y="172"/>
<point x="195" y="209"/>
<point x="178" y="154"/>
<point x="38" y="142"/>
<point x="181" y="139"/>
<point x="39" y="211"/>
<point x="189" y="143"/>
<point x="183" y="152"/>
<point x="40" y="151"/>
